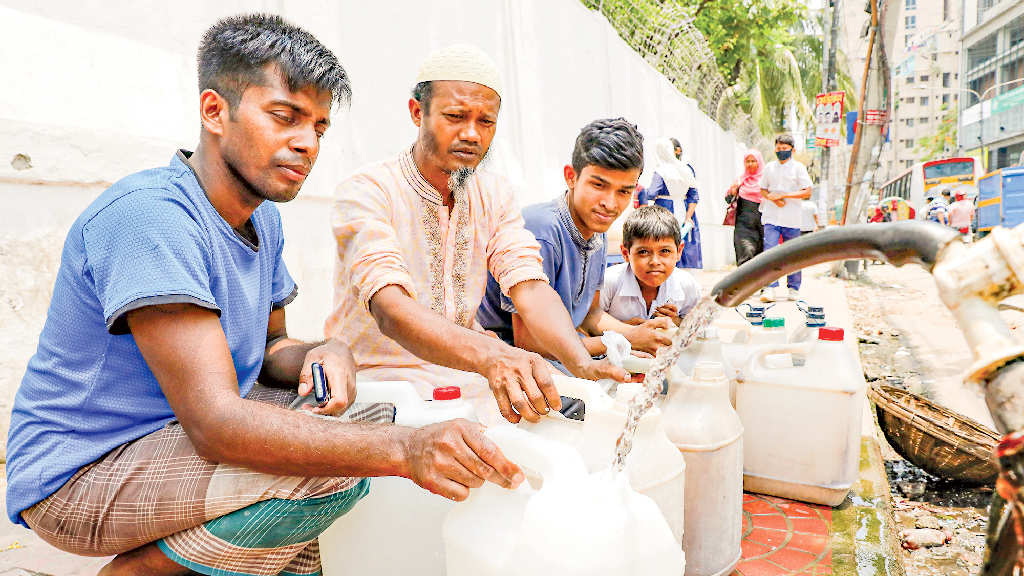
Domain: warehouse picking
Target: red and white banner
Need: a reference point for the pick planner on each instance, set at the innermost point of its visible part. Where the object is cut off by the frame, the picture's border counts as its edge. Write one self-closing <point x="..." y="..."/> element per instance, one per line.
<point x="828" y="117"/>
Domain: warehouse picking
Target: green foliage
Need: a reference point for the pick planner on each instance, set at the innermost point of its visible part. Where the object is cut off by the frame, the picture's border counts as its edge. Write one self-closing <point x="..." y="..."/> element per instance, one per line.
<point x="935" y="146"/>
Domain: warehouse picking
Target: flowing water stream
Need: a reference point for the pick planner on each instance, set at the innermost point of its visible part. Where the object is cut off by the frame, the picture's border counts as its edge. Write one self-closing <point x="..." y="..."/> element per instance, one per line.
<point x="693" y="323"/>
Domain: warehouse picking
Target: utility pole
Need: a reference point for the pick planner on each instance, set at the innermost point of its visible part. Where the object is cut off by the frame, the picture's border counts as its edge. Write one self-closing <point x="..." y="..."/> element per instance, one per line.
<point x="860" y="110"/>
<point x="828" y="84"/>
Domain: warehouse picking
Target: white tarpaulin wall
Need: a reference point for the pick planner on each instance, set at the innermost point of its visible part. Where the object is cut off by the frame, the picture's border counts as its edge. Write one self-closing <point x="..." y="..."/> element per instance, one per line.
<point x="93" y="91"/>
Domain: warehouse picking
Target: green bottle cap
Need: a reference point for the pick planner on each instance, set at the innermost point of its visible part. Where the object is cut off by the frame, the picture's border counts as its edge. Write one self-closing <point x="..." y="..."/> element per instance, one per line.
<point x="774" y="322"/>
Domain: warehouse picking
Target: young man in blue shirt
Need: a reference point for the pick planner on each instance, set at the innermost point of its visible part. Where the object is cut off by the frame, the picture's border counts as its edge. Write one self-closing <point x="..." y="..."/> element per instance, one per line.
<point x="138" y="429"/>
<point x="606" y="163"/>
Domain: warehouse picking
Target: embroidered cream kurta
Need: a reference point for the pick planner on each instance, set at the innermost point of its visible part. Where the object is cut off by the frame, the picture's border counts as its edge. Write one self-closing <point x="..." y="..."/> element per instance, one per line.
<point x="392" y="228"/>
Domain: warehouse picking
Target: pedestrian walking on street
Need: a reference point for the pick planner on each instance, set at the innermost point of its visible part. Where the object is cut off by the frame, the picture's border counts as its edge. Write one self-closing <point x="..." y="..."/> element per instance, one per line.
<point x="961" y="213"/>
<point x="808" y="217"/>
<point x="676" y="181"/>
<point x="748" y="236"/>
<point x="785" y="184"/>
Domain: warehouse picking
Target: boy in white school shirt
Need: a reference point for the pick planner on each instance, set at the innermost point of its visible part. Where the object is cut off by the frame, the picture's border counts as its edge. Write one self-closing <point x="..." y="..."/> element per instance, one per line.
<point x="649" y="285"/>
<point x="786" y="184"/>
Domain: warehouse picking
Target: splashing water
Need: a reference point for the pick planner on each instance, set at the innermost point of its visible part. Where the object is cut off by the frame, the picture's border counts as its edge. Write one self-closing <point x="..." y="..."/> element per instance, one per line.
<point x="695" y="321"/>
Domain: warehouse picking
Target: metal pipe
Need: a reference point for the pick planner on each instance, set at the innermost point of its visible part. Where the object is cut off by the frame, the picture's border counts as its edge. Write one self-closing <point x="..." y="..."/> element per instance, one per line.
<point x="898" y="243"/>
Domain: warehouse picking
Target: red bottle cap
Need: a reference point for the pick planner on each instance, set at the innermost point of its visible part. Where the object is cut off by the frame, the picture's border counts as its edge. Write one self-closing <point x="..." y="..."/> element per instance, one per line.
<point x="830" y="334"/>
<point x="447" y="393"/>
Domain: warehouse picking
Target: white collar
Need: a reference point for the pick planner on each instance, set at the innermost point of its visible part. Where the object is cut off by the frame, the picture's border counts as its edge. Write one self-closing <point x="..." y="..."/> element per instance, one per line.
<point x="669" y="289"/>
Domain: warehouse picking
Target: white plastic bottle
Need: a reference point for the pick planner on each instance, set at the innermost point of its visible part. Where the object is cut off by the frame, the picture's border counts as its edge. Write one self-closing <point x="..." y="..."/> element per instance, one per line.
<point x="654" y="466"/>
<point x="708" y="348"/>
<point x="802" y="423"/>
<point x="705" y="428"/>
<point x="576" y="524"/>
<point x="396" y="528"/>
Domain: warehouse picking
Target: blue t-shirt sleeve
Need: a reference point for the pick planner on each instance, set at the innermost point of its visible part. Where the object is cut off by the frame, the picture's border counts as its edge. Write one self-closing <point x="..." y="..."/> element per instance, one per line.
<point x="146" y="248"/>
<point x="283" y="289"/>
<point x="551" y="261"/>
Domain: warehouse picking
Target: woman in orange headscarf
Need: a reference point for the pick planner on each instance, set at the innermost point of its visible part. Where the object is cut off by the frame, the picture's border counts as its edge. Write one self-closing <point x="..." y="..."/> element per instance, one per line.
<point x="748" y="237"/>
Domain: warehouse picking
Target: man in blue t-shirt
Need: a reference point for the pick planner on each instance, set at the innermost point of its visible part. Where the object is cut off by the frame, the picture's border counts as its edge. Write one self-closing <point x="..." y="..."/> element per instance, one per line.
<point x="138" y="429"/>
<point x="606" y="163"/>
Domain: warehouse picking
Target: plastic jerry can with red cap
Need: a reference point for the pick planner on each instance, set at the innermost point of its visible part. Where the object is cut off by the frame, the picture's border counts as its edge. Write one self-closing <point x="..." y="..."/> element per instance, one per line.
<point x="802" y="424"/>
<point x="396" y="528"/>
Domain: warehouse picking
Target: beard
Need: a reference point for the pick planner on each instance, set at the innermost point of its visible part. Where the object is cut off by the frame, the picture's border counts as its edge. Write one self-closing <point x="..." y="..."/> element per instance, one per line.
<point x="458" y="178"/>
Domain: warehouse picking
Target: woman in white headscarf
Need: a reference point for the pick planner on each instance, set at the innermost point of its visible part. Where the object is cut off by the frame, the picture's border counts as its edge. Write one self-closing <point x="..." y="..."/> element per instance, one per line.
<point x="675" y="182"/>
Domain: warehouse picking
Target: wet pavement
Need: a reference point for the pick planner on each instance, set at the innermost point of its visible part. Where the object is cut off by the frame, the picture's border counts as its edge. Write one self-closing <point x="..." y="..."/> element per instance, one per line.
<point x="783" y="537"/>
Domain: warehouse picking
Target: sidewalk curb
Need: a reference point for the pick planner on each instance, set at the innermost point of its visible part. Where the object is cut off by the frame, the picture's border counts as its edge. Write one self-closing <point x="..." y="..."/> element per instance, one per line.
<point x="864" y="531"/>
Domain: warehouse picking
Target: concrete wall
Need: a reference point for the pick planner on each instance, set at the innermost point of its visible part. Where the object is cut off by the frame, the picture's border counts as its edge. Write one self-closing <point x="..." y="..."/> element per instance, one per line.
<point x="94" y="91"/>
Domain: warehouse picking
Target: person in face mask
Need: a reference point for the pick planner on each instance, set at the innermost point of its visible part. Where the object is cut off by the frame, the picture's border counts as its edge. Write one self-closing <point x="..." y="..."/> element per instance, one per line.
<point x="786" y="184"/>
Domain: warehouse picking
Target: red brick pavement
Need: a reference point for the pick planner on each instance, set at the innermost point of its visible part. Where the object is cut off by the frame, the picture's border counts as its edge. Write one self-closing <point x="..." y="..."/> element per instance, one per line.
<point x="782" y="537"/>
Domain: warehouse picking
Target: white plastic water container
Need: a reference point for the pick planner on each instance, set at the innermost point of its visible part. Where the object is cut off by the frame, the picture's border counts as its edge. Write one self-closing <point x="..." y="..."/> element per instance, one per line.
<point x="396" y="528"/>
<point x="803" y="423"/>
<point x="706" y="429"/>
<point x="576" y="524"/>
<point x="654" y="466"/>
<point x="707" y="348"/>
<point x="750" y="337"/>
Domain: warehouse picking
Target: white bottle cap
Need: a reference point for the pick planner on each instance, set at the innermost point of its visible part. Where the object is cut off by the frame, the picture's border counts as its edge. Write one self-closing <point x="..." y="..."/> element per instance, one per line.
<point x="710" y="333"/>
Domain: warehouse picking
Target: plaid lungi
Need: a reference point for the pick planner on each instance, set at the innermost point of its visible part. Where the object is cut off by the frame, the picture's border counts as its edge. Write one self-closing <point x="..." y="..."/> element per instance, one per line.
<point x="216" y="519"/>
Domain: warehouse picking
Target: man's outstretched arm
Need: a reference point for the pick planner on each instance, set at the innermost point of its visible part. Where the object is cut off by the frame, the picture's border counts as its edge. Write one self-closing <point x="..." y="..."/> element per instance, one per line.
<point x="517" y="378"/>
<point x="185" y="347"/>
<point x="549" y="325"/>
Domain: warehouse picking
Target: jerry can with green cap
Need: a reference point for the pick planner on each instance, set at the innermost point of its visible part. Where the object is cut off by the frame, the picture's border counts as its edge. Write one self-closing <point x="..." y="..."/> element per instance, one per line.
<point x="750" y="337"/>
<point x="802" y="424"/>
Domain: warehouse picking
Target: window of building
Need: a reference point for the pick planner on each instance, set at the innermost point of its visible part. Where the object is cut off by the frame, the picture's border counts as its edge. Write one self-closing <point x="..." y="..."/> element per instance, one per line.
<point x="935" y="56"/>
<point x="909" y="163"/>
<point x="910" y="22"/>
<point x="910" y="142"/>
<point x="945" y="80"/>
<point x="910" y="79"/>
<point x="1015" y="31"/>
<point x="906" y="39"/>
<point x="924" y="100"/>
<point x="922" y="120"/>
<point x="981" y="85"/>
<point x="1013" y="71"/>
<point x="983" y="51"/>
<point x="923" y="78"/>
<point x="910" y="122"/>
<point x="945" y="98"/>
<point x="911" y="4"/>
<point x="910" y="100"/>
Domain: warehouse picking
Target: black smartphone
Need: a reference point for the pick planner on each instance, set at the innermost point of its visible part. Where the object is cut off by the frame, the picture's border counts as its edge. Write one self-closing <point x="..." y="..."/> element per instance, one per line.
<point x="321" y="391"/>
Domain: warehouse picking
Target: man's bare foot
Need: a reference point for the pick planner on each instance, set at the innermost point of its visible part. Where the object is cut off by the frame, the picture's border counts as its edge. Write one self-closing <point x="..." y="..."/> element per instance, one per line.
<point x="148" y="560"/>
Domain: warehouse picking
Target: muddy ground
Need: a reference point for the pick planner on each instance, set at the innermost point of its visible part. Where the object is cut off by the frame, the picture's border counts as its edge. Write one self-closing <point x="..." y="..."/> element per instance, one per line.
<point x="895" y="352"/>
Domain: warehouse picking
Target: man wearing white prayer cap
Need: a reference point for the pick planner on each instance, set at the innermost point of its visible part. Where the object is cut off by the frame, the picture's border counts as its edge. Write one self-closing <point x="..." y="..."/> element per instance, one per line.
<point x="417" y="235"/>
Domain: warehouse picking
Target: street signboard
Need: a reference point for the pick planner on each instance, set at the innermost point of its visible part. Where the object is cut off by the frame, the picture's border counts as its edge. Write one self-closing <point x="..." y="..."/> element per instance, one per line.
<point x="828" y="111"/>
<point x="1008" y="100"/>
<point x="875" y="117"/>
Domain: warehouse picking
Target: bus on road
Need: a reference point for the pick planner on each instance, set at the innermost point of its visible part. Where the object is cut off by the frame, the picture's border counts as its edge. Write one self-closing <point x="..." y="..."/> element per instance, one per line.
<point x="930" y="178"/>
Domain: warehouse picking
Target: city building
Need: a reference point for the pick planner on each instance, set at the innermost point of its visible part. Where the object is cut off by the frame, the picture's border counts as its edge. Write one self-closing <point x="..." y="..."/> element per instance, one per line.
<point x="992" y="85"/>
<point x="925" y="62"/>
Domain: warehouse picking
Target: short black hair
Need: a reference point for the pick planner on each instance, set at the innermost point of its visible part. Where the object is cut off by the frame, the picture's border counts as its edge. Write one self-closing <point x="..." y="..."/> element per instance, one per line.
<point x="650" y="223"/>
<point x="613" y="144"/>
<point x="235" y="51"/>
<point x="785" y="139"/>
<point x="424" y="93"/>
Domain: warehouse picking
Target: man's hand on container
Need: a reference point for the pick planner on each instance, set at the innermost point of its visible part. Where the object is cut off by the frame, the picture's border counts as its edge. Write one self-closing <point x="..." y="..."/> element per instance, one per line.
<point x="340" y="372"/>
<point x="521" y="380"/>
<point x="451" y="457"/>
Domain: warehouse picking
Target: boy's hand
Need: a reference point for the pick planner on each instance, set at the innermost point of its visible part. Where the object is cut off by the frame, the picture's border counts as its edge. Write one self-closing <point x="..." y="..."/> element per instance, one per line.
<point x="635" y="321"/>
<point x="645" y="338"/>
<point x="668" y="310"/>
